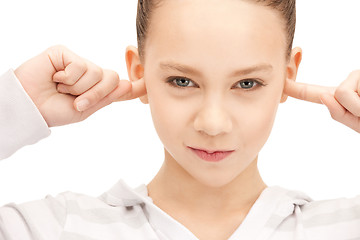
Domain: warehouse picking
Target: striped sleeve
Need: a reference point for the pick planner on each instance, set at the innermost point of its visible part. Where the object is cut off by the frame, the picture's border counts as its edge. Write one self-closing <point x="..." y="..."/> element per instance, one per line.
<point x="337" y="219"/>
<point x="73" y="216"/>
<point x="327" y="219"/>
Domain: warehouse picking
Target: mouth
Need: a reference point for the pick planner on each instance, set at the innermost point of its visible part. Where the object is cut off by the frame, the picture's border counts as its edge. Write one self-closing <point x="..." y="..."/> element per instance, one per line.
<point x="211" y="155"/>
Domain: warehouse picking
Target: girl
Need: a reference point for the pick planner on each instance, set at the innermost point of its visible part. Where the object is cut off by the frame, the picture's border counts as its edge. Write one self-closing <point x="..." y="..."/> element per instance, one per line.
<point x="213" y="88"/>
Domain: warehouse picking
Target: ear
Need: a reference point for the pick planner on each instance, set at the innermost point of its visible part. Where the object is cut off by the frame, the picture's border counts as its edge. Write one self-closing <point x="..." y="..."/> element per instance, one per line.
<point x="292" y="68"/>
<point x="135" y="68"/>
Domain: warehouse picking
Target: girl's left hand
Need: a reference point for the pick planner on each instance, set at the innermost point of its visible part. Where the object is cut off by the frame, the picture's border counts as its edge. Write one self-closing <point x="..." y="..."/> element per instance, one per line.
<point x="343" y="102"/>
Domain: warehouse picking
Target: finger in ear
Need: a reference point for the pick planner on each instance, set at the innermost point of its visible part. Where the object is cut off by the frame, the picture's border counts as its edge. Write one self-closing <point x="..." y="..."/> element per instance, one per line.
<point x="291" y="70"/>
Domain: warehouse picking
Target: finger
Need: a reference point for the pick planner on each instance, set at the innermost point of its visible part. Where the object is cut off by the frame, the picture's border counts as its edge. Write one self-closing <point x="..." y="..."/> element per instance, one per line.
<point x="94" y="95"/>
<point x="348" y="96"/>
<point x="123" y="88"/>
<point x="93" y="75"/>
<point x="102" y="103"/>
<point x="306" y="92"/>
<point x="71" y="74"/>
<point x="68" y="66"/>
<point x="339" y="113"/>
<point x="136" y="89"/>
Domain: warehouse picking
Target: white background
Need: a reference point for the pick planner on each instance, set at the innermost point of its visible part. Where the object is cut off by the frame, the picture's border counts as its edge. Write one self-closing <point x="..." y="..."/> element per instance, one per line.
<point x="307" y="150"/>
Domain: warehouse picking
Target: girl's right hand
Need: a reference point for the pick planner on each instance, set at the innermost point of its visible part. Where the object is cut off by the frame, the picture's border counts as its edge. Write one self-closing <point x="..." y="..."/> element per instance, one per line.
<point x="68" y="89"/>
<point x="343" y="101"/>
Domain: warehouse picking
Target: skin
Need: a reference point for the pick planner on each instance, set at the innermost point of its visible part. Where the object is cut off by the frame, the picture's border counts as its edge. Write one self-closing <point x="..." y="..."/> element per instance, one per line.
<point x="57" y="80"/>
<point x="343" y="102"/>
<point x="213" y="112"/>
<point x="210" y="199"/>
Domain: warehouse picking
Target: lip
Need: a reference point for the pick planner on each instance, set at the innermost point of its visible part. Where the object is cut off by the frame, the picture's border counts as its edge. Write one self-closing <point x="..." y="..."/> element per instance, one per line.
<point x="211" y="155"/>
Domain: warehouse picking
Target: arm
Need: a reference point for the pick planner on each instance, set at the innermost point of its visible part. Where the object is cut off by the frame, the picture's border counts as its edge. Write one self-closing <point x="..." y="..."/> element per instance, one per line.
<point x="42" y="93"/>
<point x="15" y="106"/>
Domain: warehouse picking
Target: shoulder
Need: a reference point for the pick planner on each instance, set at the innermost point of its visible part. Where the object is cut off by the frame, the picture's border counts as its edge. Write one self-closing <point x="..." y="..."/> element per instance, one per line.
<point x="325" y="219"/>
<point x="332" y="211"/>
<point x="48" y="218"/>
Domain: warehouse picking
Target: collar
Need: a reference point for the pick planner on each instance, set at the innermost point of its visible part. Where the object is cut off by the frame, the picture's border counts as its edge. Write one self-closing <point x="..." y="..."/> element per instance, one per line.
<point x="273" y="201"/>
<point x="166" y="227"/>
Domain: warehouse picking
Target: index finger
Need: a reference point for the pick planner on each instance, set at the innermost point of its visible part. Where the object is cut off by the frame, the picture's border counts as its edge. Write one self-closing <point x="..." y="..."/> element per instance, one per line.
<point x="133" y="89"/>
<point x="306" y="92"/>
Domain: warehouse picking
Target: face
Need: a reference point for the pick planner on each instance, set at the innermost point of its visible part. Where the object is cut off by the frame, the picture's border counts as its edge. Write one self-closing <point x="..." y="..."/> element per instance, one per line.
<point x="214" y="72"/>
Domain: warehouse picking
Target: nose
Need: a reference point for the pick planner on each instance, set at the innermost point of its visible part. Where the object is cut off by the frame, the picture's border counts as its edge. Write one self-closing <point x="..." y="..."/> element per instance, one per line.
<point x="213" y="119"/>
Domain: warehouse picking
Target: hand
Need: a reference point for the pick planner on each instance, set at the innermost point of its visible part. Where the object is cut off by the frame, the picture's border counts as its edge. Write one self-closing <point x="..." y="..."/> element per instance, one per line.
<point x="343" y="102"/>
<point x="67" y="88"/>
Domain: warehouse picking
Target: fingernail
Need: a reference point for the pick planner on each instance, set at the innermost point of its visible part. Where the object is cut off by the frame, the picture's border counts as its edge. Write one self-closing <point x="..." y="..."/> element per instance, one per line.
<point x="82" y="105"/>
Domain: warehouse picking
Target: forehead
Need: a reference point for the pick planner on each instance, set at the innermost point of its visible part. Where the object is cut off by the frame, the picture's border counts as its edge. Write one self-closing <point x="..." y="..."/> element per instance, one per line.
<point x="227" y="30"/>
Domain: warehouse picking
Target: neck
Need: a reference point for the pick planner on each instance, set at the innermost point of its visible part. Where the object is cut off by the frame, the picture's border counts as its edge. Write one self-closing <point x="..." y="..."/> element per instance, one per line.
<point x="173" y="188"/>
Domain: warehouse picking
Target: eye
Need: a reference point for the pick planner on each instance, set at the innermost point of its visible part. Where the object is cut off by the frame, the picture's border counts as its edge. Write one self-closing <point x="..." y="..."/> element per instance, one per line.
<point x="249" y="84"/>
<point x="181" y="82"/>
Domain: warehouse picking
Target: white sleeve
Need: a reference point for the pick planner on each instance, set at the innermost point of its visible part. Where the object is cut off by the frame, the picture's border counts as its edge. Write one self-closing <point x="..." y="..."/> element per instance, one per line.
<point x="20" y="121"/>
<point x="40" y="219"/>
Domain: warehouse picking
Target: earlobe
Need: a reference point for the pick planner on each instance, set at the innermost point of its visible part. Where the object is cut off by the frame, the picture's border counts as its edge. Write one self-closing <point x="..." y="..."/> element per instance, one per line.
<point x="134" y="68"/>
<point x="292" y="69"/>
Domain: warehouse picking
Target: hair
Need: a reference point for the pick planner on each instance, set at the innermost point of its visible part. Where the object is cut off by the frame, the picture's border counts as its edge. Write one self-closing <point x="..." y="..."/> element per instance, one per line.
<point x="286" y="9"/>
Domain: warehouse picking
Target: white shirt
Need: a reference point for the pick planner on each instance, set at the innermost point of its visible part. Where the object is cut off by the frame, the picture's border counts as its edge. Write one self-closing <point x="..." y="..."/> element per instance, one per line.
<point x="126" y="213"/>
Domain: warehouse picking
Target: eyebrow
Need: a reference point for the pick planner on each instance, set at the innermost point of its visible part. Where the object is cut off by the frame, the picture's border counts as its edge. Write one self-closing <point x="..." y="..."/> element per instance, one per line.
<point x="192" y="71"/>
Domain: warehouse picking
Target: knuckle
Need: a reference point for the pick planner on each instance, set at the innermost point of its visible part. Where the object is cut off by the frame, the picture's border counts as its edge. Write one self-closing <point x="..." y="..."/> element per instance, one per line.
<point x="98" y="94"/>
<point x="68" y="89"/>
<point x="96" y="72"/>
<point x="57" y="47"/>
<point x="355" y="73"/>
<point x="68" y="81"/>
<point x="59" y="77"/>
<point x="335" y="116"/>
<point x="75" y="91"/>
<point x="61" y="88"/>
<point x="114" y="78"/>
<point x="357" y="112"/>
<point x="80" y="66"/>
<point x="340" y="92"/>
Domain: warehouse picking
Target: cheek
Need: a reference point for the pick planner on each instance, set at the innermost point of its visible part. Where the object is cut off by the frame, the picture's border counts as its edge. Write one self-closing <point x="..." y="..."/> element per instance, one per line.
<point x="256" y="121"/>
<point x="252" y="117"/>
<point x="169" y="115"/>
<point x="262" y="119"/>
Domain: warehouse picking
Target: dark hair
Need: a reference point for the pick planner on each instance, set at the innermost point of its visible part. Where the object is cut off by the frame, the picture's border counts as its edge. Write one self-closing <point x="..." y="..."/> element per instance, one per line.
<point x="286" y="9"/>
